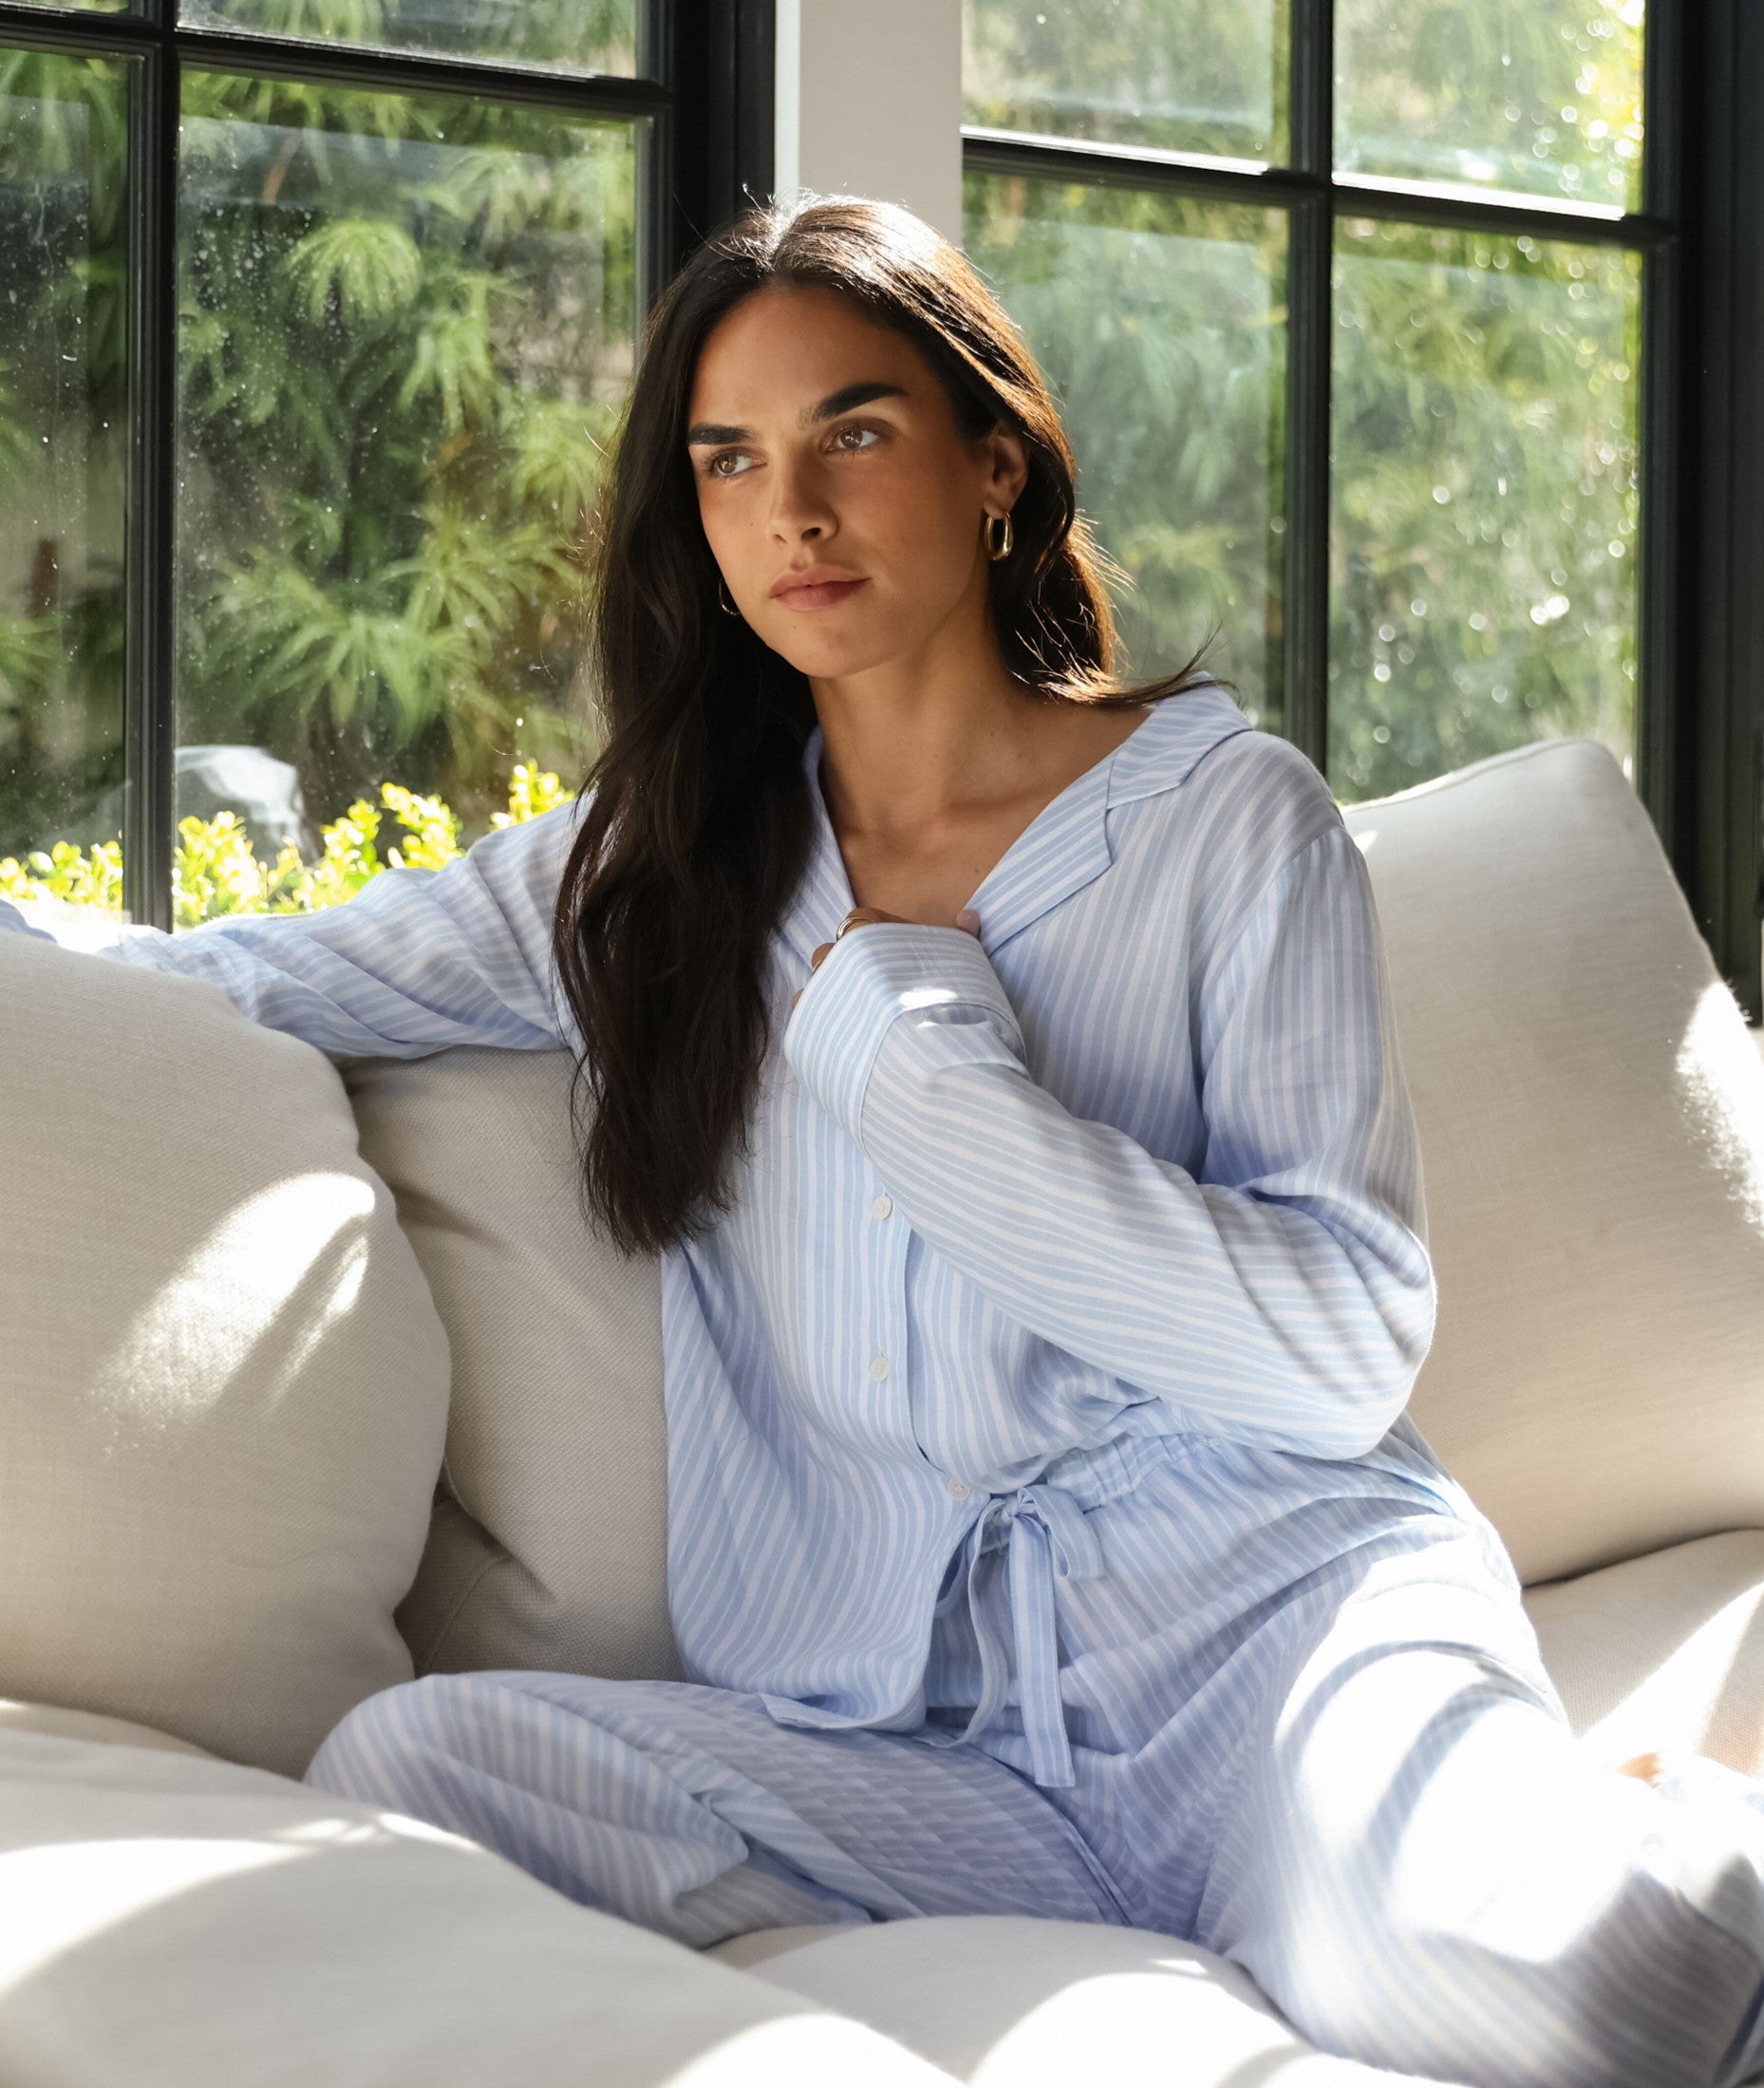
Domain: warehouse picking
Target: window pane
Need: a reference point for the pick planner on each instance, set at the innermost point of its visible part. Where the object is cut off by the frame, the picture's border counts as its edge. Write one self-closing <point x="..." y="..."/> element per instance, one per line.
<point x="1483" y="556"/>
<point x="578" y="36"/>
<point x="1539" y="96"/>
<point x="63" y="455"/>
<point x="1175" y="75"/>
<point x="406" y="331"/>
<point x="1160" y="323"/>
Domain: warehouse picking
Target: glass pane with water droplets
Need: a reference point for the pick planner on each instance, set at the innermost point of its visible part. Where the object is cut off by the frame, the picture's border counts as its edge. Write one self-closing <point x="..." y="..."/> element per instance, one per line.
<point x="571" y="35"/>
<point x="1483" y="547"/>
<point x="1538" y="97"/>
<point x="406" y="333"/>
<point x="63" y="453"/>
<point x="1159" y="322"/>
<point x="1205" y="76"/>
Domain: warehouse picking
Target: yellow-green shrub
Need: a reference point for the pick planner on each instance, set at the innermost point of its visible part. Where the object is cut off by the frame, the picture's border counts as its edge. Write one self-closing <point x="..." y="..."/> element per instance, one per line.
<point x="216" y="869"/>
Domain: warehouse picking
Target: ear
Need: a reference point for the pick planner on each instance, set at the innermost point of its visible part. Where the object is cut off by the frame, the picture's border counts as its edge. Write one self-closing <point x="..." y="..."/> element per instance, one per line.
<point x="1006" y="459"/>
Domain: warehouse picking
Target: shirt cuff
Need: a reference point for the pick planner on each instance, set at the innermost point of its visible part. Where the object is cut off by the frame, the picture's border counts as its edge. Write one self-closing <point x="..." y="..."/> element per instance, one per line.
<point x="870" y="979"/>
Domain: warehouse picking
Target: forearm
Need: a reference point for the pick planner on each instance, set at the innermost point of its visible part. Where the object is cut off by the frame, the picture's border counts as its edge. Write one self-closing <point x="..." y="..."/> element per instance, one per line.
<point x="416" y="962"/>
<point x="1299" y="1322"/>
<point x="399" y="992"/>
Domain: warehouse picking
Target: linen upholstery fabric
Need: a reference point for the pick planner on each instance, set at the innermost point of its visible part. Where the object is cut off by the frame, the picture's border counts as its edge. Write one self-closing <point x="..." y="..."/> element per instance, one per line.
<point x="52" y="1722"/>
<point x="549" y="1542"/>
<point x="1006" y="2001"/>
<point x="1591" y="1113"/>
<point x="1665" y="1652"/>
<point x="223" y="1389"/>
<point x="173" y="1923"/>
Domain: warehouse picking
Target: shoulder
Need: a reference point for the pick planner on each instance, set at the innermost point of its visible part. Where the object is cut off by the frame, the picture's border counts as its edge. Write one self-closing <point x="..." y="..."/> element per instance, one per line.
<point x="531" y="855"/>
<point x="1203" y="780"/>
<point x="503" y="889"/>
<point x="1261" y="787"/>
<point x="1229" y="816"/>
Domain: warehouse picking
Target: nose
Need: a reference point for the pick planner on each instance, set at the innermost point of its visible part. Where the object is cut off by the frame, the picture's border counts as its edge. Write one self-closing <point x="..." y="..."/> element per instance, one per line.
<point x="800" y="513"/>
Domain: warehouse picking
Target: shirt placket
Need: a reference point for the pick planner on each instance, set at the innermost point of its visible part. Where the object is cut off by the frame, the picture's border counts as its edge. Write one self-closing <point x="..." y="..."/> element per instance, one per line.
<point x="884" y="1259"/>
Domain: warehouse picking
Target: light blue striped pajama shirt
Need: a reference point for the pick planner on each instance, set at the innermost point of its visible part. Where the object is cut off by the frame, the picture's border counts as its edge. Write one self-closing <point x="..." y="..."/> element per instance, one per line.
<point x="1046" y="1532"/>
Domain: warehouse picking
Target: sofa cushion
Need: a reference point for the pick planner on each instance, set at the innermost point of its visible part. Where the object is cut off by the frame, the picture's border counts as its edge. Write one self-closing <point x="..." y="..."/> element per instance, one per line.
<point x="1591" y="1112"/>
<point x="1665" y="1652"/>
<point x="172" y="1923"/>
<point x="550" y="1538"/>
<point x="1005" y="2002"/>
<point x="55" y="1722"/>
<point x="224" y="1386"/>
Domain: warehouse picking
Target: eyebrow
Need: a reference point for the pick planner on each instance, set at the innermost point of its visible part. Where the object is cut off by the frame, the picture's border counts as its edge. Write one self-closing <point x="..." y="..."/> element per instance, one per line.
<point x="706" y="433"/>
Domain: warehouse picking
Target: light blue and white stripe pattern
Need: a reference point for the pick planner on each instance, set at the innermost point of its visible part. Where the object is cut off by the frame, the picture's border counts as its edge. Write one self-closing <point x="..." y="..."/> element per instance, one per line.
<point x="1043" y="1390"/>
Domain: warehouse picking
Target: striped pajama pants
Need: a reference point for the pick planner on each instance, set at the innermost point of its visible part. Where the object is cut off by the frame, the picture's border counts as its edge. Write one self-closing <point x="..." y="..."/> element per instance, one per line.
<point x="1366" y="1794"/>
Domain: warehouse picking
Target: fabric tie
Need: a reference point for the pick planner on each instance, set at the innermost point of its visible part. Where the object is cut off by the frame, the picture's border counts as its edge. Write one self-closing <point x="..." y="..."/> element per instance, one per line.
<point x="1044" y="1535"/>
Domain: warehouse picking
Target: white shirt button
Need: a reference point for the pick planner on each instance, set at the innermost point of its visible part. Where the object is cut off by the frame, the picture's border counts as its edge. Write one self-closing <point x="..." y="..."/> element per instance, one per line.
<point x="878" y="1368"/>
<point x="959" y="1489"/>
<point x="882" y="1206"/>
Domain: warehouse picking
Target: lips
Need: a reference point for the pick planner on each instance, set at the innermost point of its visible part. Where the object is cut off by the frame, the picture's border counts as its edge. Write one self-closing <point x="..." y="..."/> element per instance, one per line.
<point x="812" y="594"/>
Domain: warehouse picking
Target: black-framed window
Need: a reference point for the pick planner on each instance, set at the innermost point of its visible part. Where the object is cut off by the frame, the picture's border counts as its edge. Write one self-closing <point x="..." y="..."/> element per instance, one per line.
<point x="315" y="316"/>
<point x="1410" y="349"/>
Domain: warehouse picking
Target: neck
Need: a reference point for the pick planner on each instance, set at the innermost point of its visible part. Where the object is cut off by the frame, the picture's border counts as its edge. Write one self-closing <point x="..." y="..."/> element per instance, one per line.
<point x="914" y="738"/>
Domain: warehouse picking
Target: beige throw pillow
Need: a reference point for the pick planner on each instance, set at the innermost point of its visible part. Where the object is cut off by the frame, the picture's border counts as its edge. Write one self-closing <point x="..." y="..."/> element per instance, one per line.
<point x="1591" y="1111"/>
<point x="550" y="1542"/>
<point x="224" y="1386"/>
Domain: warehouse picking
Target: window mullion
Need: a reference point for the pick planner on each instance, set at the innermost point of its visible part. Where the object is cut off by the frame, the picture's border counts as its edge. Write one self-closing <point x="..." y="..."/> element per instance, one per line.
<point x="719" y="60"/>
<point x="149" y="723"/>
<point x="1305" y="664"/>
<point x="1665" y="714"/>
<point x="1720" y="851"/>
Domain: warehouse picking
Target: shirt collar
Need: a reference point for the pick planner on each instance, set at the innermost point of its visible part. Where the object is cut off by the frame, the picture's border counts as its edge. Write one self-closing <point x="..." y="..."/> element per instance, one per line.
<point x="1062" y="849"/>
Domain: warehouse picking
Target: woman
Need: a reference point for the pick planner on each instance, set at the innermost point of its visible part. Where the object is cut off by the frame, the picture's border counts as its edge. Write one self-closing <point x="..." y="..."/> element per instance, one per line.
<point x="1002" y="1061"/>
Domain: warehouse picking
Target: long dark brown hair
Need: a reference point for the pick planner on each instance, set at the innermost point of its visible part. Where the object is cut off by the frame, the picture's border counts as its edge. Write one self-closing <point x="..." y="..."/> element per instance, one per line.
<point x="698" y="822"/>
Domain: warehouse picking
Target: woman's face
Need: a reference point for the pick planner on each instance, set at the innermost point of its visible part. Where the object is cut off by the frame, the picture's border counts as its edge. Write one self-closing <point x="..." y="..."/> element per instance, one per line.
<point x="840" y="500"/>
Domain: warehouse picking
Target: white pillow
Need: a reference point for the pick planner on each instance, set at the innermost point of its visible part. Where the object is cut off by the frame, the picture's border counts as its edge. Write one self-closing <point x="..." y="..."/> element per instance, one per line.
<point x="549" y="1541"/>
<point x="224" y="1386"/>
<point x="173" y="1923"/>
<point x="1591" y="1112"/>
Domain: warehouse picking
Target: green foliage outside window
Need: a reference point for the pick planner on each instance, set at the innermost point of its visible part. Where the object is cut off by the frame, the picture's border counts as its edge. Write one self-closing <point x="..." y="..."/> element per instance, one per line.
<point x="406" y="331"/>
<point x="1167" y="75"/>
<point x="1160" y="322"/>
<point x="406" y="334"/>
<point x="1483" y="588"/>
<point x="64" y="215"/>
<point x="1484" y="468"/>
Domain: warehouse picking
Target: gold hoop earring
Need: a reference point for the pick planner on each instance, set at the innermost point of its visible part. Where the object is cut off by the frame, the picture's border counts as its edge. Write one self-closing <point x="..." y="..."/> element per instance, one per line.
<point x="998" y="542"/>
<point x="724" y="602"/>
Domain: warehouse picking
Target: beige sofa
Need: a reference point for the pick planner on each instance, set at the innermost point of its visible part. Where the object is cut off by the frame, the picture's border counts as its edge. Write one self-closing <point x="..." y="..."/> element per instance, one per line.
<point x="283" y="1420"/>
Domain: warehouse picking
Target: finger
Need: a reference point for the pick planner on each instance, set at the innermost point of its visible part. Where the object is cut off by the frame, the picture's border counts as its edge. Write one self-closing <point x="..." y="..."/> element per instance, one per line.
<point x="820" y="951"/>
<point x="796" y="997"/>
<point x="969" y="919"/>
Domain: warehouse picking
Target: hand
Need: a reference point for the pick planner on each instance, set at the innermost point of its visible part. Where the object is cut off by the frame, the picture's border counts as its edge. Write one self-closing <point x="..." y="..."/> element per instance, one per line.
<point x="862" y="917"/>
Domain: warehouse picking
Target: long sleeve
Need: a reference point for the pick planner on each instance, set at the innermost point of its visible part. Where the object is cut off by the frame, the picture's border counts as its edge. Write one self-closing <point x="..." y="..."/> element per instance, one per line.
<point x="1283" y="1294"/>
<point x="417" y="961"/>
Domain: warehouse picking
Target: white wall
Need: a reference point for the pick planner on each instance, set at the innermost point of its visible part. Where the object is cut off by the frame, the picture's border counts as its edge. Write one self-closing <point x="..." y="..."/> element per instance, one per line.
<point x="870" y="103"/>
